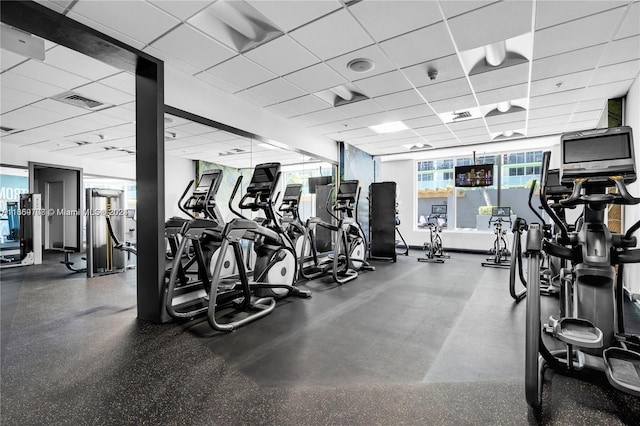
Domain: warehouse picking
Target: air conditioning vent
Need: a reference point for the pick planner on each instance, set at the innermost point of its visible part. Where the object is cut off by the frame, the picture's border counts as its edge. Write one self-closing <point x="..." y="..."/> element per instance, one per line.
<point x="460" y="115"/>
<point x="76" y="99"/>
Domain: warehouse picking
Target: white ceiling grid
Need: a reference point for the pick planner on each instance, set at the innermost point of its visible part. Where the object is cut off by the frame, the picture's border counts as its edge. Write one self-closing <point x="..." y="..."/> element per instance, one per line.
<point x="576" y="55"/>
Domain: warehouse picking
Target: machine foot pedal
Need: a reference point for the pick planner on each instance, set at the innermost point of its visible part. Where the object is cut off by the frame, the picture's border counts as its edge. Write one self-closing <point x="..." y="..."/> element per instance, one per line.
<point x="578" y="332"/>
<point x="622" y="368"/>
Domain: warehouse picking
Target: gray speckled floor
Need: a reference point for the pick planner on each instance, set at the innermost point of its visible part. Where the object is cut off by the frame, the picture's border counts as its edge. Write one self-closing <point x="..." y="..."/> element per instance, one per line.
<point x="411" y="343"/>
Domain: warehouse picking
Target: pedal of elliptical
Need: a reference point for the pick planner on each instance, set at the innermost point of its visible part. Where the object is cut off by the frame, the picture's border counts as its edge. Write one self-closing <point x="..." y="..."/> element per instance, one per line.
<point x="622" y="368"/>
<point x="578" y="332"/>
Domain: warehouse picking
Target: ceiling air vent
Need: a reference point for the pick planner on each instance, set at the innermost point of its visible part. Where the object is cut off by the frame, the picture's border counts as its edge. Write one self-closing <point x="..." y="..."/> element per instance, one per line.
<point x="76" y="99"/>
<point x="461" y="115"/>
<point x="233" y="151"/>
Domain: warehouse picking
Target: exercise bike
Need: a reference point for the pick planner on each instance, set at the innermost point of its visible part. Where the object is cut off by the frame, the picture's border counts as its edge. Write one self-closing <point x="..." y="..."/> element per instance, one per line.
<point x="499" y="253"/>
<point x="434" y="252"/>
<point x="590" y="325"/>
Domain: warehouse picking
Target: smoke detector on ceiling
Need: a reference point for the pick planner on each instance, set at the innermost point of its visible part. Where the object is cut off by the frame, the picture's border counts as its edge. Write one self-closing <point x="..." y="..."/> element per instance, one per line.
<point x="361" y="65"/>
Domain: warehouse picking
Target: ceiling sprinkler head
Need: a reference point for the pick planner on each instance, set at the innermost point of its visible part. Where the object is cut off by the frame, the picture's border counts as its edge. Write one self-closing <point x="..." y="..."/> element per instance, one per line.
<point x="432" y="73"/>
<point x="360" y="65"/>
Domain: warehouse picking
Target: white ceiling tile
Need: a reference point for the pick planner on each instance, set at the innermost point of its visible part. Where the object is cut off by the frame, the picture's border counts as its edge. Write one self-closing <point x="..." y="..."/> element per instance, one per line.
<point x="544" y="101"/>
<point x="399" y="99"/>
<point x="495" y="22"/>
<point x="623" y="50"/>
<point x="548" y="121"/>
<point x="502" y="94"/>
<point x="504" y="127"/>
<point x="500" y="77"/>
<point x="408" y="113"/>
<point x="9" y="59"/>
<point x="282" y="56"/>
<point x="104" y="94"/>
<point x="24" y="138"/>
<point x="124" y="82"/>
<point x="508" y="117"/>
<point x="551" y="12"/>
<point x="60" y="108"/>
<point x="316" y="78"/>
<point x="277" y="90"/>
<point x="82" y="150"/>
<point x="181" y="9"/>
<point x="445" y="90"/>
<point x="437" y="132"/>
<point x="426" y="121"/>
<point x="36" y="70"/>
<point x="608" y="91"/>
<point x="546" y="130"/>
<point x="241" y="72"/>
<point x="475" y="139"/>
<point x="455" y="104"/>
<point x="617" y="72"/>
<point x="29" y="117"/>
<point x="372" y="53"/>
<point x="78" y="63"/>
<point x="586" y="116"/>
<point x="17" y="97"/>
<point x="219" y="83"/>
<point x="340" y="34"/>
<point x="193" y="47"/>
<point x="630" y="25"/>
<point x="57" y="5"/>
<point x="253" y="98"/>
<point x="567" y="63"/>
<point x="448" y="68"/>
<point x="383" y="84"/>
<point x="360" y="108"/>
<point x="474" y="123"/>
<point x="305" y="104"/>
<point x="352" y="134"/>
<point x="567" y="82"/>
<point x="581" y="125"/>
<point x="7" y="105"/>
<point x="282" y="110"/>
<point x="288" y="15"/>
<point x="467" y="133"/>
<point x="591" y="105"/>
<point x="194" y="128"/>
<point x="171" y="61"/>
<point x="326" y="116"/>
<point x="386" y="19"/>
<point x="414" y="47"/>
<point x="52" y="145"/>
<point x="104" y="119"/>
<point x="458" y="7"/>
<point x="136" y="19"/>
<point x="551" y="111"/>
<point x="106" y="30"/>
<point x="592" y="30"/>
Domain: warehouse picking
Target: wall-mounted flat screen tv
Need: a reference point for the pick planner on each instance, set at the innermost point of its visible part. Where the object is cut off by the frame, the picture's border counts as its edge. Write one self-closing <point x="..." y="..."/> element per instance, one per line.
<point x="471" y="176"/>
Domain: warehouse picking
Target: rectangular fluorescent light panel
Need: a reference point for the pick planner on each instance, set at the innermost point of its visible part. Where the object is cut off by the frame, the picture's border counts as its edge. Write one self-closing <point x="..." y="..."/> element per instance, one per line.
<point x="24" y="44"/>
<point x="394" y="126"/>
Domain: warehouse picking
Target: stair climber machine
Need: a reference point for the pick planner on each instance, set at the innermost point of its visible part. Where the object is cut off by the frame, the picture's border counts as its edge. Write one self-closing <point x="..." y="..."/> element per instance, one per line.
<point x="350" y="247"/>
<point x="292" y="225"/>
<point x="499" y="253"/>
<point x="253" y="294"/>
<point x="550" y="266"/>
<point x="189" y="278"/>
<point x="590" y="326"/>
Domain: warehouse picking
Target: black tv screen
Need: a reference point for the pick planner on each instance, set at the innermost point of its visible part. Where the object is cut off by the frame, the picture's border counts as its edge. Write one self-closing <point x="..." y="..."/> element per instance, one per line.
<point x="598" y="148"/>
<point x="348" y="189"/>
<point x="292" y="193"/>
<point x="472" y="176"/>
<point x="318" y="181"/>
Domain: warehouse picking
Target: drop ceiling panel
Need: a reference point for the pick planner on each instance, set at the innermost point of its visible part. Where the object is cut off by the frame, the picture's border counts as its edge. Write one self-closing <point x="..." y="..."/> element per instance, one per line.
<point x="458" y="7"/>
<point x="326" y="116"/>
<point x="566" y="82"/>
<point x="399" y="99"/>
<point x="106" y="94"/>
<point x="551" y="111"/>
<point x="193" y="47"/>
<point x="282" y="56"/>
<point x="123" y="82"/>
<point x="7" y="105"/>
<point x="386" y="19"/>
<point x="82" y="150"/>
<point x="554" y="99"/>
<point x="288" y="15"/>
<point x="586" y="116"/>
<point x="435" y="133"/>
<point x="282" y="110"/>
<point x="549" y="13"/>
<point x="241" y="72"/>
<point x="592" y="30"/>
<point x="408" y="113"/>
<point x="17" y="97"/>
<point x="29" y="117"/>
<point x="455" y="104"/>
<point x="253" y="98"/>
<point x="78" y="63"/>
<point x="182" y="9"/>
<point x="445" y="90"/>
<point x="622" y="50"/>
<point x="504" y="127"/>
<point x="617" y="72"/>
<point x="220" y="83"/>
<point x="581" y="125"/>
<point x="506" y="118"/>
<point x="52" y="145"/>
<point x="383" y="84"/>
<point x="106" y="30"/>
<point x="25" y="138"/>
<point x="592" y="104"/>
<point x="57" y="5"/>
<point x="556" y="120"/>
<point x="42" y="72"/>
<point x="277" y="90"/>
<point x="475" y="139"/>
<point x="426" y="121"/>
<point x="360" y="108"/>
<point x="26" y="84"/>
<point x="608" y="91"/>
<point x="351" y="134"/>
<point x="495" y="22"/>
<point x="478" y="131"/>
<point x="567" y="63"/>
<point x="467" y="124"/>
<point x="414" y="47"/>
<point x="304" y="104"/>
<point x="9" y="59"/>
<point x="171" y="61"/>
<point x="500" y="77"/>
<point x="630" y="25"/>
<point x="136" y="19"/>
<point x="373" y="53"/>
<point x="502" y="94"/>
<point x="316" y="78"/>
<point x="194" y="128"/>
<point x="448" y="68"/>
<point x="61" y="108"/>
<point x="340" y="34"/>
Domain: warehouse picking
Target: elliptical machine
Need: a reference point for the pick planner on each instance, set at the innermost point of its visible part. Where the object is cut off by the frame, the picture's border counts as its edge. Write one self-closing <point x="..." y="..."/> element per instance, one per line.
<point x="274" y="270"/>
<point x="291" y="223"/>
<point x="591" y="321"/>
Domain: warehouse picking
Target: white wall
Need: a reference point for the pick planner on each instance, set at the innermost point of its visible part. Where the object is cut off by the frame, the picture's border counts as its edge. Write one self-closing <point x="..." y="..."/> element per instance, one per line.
<point x="403" y="172"/>
<point x="195" y="96"/>
<point x="632" y="213"/>
<point x="177" y="174"/>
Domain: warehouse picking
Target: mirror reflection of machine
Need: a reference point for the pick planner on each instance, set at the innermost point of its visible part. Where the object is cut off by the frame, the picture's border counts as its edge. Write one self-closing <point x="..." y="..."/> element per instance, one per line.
<point x="26" y="229"/>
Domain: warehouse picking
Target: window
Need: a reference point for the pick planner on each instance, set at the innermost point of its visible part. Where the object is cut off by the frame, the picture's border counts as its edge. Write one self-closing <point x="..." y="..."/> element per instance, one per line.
<point x="435" y="185"/>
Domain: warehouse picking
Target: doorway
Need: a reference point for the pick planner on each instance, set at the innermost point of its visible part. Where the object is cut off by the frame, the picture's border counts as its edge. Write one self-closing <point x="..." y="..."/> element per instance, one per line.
<point x="54" y="223"/>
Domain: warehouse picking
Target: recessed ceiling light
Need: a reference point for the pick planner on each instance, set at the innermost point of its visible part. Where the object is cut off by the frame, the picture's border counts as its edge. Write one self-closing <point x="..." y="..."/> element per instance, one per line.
<point x="267" y="146"/>
<point x="394" y="126"/>
<point x="361" y="65"/>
